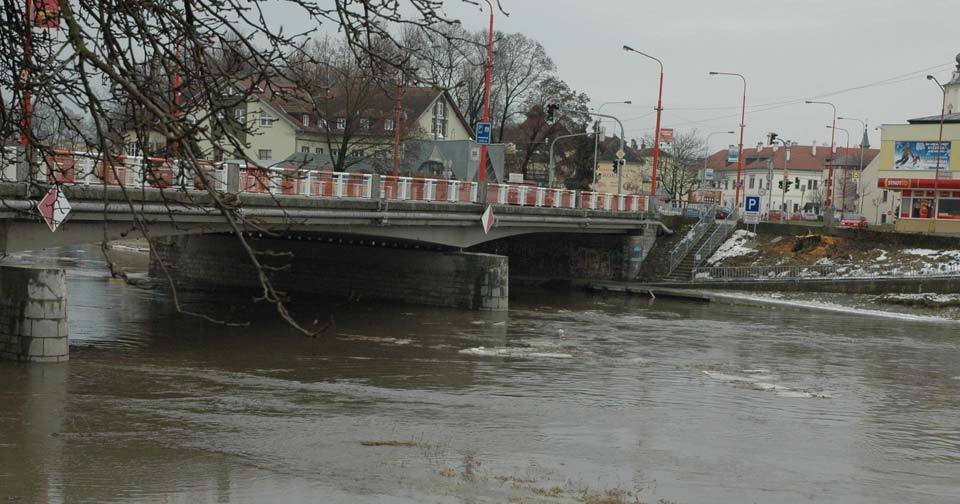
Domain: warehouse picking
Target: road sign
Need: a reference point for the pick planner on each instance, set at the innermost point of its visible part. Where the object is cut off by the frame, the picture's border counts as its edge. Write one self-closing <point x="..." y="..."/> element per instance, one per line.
<point x="54" y="208"/>
<point x="666" y="135"/>
<point x="484" y="132"/>
<point x="763" y="192"/>
<point x="621" y="154"/>
<point x="751" y="218"/>
<point x="487" y="219"/>
<point x="752" y="204"/>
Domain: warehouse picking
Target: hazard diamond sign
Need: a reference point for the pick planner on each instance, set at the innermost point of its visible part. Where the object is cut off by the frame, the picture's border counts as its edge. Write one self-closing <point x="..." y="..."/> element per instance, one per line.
<point x="487" y="219"/>
<point x="54" y="208"/>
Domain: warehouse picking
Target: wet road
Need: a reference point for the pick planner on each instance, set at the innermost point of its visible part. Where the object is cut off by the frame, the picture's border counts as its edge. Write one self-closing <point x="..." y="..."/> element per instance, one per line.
<point x="565" y="398"/>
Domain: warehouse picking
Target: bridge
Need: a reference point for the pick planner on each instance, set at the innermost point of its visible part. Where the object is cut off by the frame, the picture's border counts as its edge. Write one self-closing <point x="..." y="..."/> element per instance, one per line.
<point x="412" y="240"/>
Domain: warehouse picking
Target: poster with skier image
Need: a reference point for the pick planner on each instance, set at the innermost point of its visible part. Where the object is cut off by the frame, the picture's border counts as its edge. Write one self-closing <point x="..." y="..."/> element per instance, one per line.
<point x="913" y="155"/>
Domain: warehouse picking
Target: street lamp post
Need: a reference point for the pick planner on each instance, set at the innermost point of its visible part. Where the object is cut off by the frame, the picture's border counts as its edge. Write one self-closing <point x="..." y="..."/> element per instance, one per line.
<point x="843" y="187"/>
<point x="743" y="116"/>
<point x="550" y="175"/>
<point x="596" y="139"/>
<point x="936" y="179"/>
<point x="488" y="81"/>
<point x="828" y="197"/>
<point x="864" y="144"/>
<point x="708" y="152"/>
<point x="656" y="133"/>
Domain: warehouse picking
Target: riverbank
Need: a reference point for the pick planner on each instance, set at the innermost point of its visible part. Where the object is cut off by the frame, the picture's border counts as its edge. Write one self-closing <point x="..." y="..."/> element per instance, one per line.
<point x="926" y="307"/>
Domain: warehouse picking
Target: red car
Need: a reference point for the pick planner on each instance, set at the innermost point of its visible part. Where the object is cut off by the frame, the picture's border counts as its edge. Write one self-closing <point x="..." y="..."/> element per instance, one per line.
<point x="853" y="221"/>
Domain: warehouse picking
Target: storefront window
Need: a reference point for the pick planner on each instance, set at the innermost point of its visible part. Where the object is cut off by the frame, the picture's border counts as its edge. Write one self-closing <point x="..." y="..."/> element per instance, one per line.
<point x="949" y="209"/>
<point x="922" y="208"/>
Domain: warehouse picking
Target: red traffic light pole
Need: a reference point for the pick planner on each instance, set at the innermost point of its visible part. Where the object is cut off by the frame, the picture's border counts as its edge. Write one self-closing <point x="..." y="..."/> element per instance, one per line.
<point x="656" y="134"/>
<point x="833" y="135"/>
<point x="488" y="81"/>
<point x="743" y="116"/>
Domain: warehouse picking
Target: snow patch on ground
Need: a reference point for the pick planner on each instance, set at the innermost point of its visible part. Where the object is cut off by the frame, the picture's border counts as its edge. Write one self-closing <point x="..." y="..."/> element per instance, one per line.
<point x="514" y="352"/>
<point x="734" y="246"/>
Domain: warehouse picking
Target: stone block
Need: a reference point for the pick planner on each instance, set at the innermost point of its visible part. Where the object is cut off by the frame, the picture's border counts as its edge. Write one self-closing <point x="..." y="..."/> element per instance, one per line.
<point x="55" y="347"/>
<point x="63" y="330"/>
<point x="31" y="347"/>
<point x="45" y="309"/>
<point x="42" y="358"/>
<point x="45" y="329"/>
<point x="47" y="285"/>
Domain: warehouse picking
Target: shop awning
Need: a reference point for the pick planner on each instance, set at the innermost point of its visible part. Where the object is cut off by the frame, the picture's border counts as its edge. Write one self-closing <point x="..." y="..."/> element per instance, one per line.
<point x="926" y="183"/>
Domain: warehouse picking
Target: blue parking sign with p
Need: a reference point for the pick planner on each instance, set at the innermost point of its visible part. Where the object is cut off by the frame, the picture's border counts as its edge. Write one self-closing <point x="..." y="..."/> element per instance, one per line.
<point x="753" y="204"/>
<point x="483" y="131"/>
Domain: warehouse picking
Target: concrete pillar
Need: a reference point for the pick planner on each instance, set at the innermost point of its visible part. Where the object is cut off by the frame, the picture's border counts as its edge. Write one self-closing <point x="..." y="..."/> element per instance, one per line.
<point x="33" y="314"/>
<point x="373" y="270"/>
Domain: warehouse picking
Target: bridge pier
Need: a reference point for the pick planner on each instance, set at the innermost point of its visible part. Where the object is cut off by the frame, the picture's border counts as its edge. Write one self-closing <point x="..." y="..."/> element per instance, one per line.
<point x="33" y="314"/>
<point x="366" y="269"/>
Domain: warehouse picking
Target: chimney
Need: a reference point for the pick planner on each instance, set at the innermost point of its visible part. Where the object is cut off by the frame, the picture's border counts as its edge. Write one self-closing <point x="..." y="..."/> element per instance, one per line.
<point x="814" y="149"/>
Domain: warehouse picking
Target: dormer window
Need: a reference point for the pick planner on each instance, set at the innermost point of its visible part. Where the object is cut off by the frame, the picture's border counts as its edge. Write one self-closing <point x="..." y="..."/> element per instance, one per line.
<point x="388" y="125"/>
<point x="341" y="123"/>
<point x="306" y="119"/>
<point x="364" y="123"/>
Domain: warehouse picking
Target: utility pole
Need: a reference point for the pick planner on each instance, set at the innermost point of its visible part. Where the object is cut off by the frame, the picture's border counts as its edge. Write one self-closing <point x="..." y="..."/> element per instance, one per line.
<point x="488" y="82"/>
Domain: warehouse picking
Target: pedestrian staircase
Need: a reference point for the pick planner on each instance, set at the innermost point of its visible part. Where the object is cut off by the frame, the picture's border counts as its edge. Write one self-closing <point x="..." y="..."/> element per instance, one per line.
<point x="683" y="270"/>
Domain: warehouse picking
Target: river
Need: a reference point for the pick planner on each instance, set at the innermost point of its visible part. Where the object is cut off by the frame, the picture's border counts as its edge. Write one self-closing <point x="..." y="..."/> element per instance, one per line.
<point x="569" y="397"/>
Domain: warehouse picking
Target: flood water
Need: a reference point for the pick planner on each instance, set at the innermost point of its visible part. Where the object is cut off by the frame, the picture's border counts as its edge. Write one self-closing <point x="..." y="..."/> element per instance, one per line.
<point x="565" y="398"/>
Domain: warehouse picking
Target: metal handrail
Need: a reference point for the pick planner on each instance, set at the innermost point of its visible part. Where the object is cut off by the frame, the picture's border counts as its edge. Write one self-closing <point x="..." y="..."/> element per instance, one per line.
<point x="719" y="235"/>
<point x="813" y="271"/>
<point x="707" y="219"/>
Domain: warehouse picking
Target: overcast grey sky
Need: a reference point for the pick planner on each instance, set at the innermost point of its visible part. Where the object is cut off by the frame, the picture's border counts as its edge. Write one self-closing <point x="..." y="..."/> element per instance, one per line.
<point x="787" y="49"/>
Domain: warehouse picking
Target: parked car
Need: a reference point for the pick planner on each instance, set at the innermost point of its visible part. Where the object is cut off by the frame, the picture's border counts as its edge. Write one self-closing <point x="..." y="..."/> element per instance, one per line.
<point x="853" y="221"/>
<point x="811" y="216"/>
<point x="775" y="215"/>
<point x="723" y="212"/>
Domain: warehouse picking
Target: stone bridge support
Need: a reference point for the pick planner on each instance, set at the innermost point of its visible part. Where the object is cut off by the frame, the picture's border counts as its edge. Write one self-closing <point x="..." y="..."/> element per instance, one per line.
<point x="33" y="314"/>
<point x="367" y="269"/>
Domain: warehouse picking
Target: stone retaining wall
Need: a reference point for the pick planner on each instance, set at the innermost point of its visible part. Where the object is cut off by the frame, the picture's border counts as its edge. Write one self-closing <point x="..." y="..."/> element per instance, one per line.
<point x="33" y="314"/>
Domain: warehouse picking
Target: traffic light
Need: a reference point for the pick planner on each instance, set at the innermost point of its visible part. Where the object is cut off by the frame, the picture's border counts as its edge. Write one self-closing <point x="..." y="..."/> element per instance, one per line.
<point x="616" y="165"/>
<point x="780" y="184"/>
<point x="796" y="182"/>
<point x="771" y="137"/>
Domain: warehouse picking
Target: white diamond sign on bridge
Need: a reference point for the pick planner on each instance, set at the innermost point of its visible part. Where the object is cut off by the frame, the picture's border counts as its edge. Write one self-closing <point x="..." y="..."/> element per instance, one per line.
<point x="54" y="208"/>
<point x="487" y="219"/>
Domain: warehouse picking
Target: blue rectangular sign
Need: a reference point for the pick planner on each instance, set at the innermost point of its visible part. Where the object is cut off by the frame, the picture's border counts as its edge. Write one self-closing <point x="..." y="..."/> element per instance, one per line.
<point x="752" y="204"/>
<point x="484" y="132"/>
<point x="921" y="155"/>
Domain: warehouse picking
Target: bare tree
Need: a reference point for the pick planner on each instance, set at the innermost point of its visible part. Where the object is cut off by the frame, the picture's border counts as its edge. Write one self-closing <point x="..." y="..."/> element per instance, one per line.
<point x="678" y="173"/>
<point x="167" y="71"/>
<point x="522" y="64"/>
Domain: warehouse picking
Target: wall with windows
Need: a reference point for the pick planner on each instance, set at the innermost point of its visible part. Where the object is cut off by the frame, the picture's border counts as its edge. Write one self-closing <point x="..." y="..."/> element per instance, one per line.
<point x="771" y="194"/>
<point x="270" y="134"/>
<point x="440" y="122"/>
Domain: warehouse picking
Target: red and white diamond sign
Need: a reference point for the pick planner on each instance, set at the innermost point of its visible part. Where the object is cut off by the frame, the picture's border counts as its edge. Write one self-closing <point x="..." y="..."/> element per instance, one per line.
<point x="54" y="208"/>
<point x="487" y="219"/>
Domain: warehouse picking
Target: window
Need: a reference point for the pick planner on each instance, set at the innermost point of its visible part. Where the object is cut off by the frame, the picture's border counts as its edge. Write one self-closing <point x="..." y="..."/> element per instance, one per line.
<point x="388" y="124"/>
<point x="266" y="120"/>
<point x="760" y="183"/>
<point x="815" y="183"/>
<point x="884" y="196"/>
<point x="440" y="118"/>
<point x="306" y="119"/>
<point x="238" y="115"/>
<point x="322" y="123"/>
<point x="305" y="149"/>
<point x="364" y="123"/>
<point x="752" y="181"/>
<point x="133" y="150"/>
<point x="809" y="183"/>
<point x="341" y="123"/>
<point x="318" y="150"/>
<point x="264" y="154"/>
<point x="358" y="153"/>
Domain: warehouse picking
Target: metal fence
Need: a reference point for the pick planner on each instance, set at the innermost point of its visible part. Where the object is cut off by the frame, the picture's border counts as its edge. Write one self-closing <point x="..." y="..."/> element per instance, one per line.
<point x="816" y="271"/>
<point x="707" y="219"/>
<point x="718" y="236"/>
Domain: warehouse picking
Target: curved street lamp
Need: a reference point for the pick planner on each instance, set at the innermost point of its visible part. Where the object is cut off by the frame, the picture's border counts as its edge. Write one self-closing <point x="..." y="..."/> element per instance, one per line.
<point x="596" y="138"/>
<point x="828" y="197"/>
<point x="743" y="116"/>
<point x="656" y="133"/>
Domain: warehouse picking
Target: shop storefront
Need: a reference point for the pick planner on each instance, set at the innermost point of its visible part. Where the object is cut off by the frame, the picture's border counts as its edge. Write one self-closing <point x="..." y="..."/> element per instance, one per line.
<point x="926" y="204"/>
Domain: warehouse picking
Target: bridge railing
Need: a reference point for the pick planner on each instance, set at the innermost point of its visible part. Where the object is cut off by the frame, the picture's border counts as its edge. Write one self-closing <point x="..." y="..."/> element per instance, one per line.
<point x="90" y="168"/>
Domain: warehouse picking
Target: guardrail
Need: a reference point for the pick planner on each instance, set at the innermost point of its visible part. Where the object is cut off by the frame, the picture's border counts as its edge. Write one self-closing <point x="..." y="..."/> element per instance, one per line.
<point x="812" y="272"/>
<point x="718" y="236"/>
<point x="66" y="167"/>
<point x="693" y="237"/>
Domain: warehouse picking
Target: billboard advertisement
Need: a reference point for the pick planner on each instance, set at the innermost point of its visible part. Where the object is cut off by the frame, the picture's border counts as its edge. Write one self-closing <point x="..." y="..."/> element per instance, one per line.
<point x="915" y="155"/>
<point x="732" y="154"/>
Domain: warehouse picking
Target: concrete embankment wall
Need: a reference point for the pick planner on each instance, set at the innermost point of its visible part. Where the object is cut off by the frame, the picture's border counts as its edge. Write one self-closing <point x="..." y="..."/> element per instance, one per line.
<point x="429" y="277"/>
<point x="33" y="314"/>
<point x="943" y="285"/>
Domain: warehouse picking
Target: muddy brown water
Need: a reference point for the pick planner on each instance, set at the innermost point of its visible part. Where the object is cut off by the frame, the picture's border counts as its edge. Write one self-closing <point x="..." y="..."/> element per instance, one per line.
<point x="565" y="397"/>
